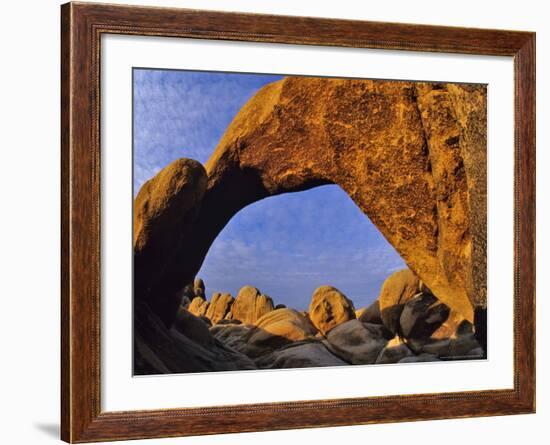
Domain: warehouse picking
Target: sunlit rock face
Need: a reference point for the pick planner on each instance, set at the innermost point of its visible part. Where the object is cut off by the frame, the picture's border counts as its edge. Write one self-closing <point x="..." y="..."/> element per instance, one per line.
<point x="250" y="305"/>
<point x="410" y="155"/>
<point x="407" y="153"/>
<point x="329" y="307"/>
<point x="165" y="210"/>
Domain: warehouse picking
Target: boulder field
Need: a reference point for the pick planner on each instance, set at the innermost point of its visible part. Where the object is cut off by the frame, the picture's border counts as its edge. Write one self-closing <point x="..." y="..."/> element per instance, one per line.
<point x="254" y="334"/>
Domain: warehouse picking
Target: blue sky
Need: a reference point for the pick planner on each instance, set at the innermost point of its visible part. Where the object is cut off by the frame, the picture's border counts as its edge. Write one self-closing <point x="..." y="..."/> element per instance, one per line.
<point x="286" y="245"/>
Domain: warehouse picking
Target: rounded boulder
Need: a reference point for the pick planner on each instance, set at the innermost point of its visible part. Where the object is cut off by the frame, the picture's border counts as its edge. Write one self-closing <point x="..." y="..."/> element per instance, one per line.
<point x="329" y="307"/>
<point x="250" y="305"/>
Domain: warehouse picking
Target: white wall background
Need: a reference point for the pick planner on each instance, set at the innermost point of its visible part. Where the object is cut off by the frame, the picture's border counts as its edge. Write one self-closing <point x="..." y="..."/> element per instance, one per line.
<point x="29" y="222"/>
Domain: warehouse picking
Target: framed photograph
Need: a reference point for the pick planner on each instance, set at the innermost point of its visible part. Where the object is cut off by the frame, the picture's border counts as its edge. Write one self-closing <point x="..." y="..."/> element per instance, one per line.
<point x="274" y="222"/>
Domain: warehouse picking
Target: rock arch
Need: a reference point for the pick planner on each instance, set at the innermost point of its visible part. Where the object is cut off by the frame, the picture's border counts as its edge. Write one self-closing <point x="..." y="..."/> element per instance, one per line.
<point x="410" y="155"/>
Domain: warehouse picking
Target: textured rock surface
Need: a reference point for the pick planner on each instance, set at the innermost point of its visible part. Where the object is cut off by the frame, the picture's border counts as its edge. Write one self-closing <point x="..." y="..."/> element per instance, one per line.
<point x="198" y="288"/>
<point x="300" y="355"/>
<point x="199" y="306"/>
<point x="276" y="329"/>
<point x="434" y="347"/>
<point x="219" y="307"/>
<point x="453" y="326"/>
<point x="394" y="354"/>
<point x="281" y="326"/>
<point x="464" y="346"/>
<point x="357" y="343"/>
<point x="370" y="314"/>
<point x="422" y="315"/>
<point x="159" y="350"/>
<point x="362" y="135"/>
<point x="164" y="212"/>
<point x="397" y="289"/>
<point x="193" y="327"/>
<point x="186" y="295"/>
<point x="232" y="335"/>
<point x="410" y="155"/>
<point x="250" y="305"/>
<point x="329" y="307"/>
<point x="470" y="108"/>
<point x="419" y="358"/>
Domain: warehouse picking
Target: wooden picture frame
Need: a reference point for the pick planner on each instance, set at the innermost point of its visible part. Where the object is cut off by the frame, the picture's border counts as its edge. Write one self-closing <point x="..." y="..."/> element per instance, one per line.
<point x="82" y="25"/>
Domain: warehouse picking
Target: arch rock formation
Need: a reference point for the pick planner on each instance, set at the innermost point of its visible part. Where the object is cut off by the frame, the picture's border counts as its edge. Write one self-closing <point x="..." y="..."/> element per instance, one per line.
<point x="411" y="155"/>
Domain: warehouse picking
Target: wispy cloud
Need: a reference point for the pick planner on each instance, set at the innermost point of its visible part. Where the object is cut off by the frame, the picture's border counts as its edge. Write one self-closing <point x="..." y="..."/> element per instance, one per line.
<point x="286" y="245"/>
<point x="183" y="114"/>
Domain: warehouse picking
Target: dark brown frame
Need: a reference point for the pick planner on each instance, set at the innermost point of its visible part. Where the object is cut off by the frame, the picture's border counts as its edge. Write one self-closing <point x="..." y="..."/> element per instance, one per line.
<point x="82" y="25"/>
